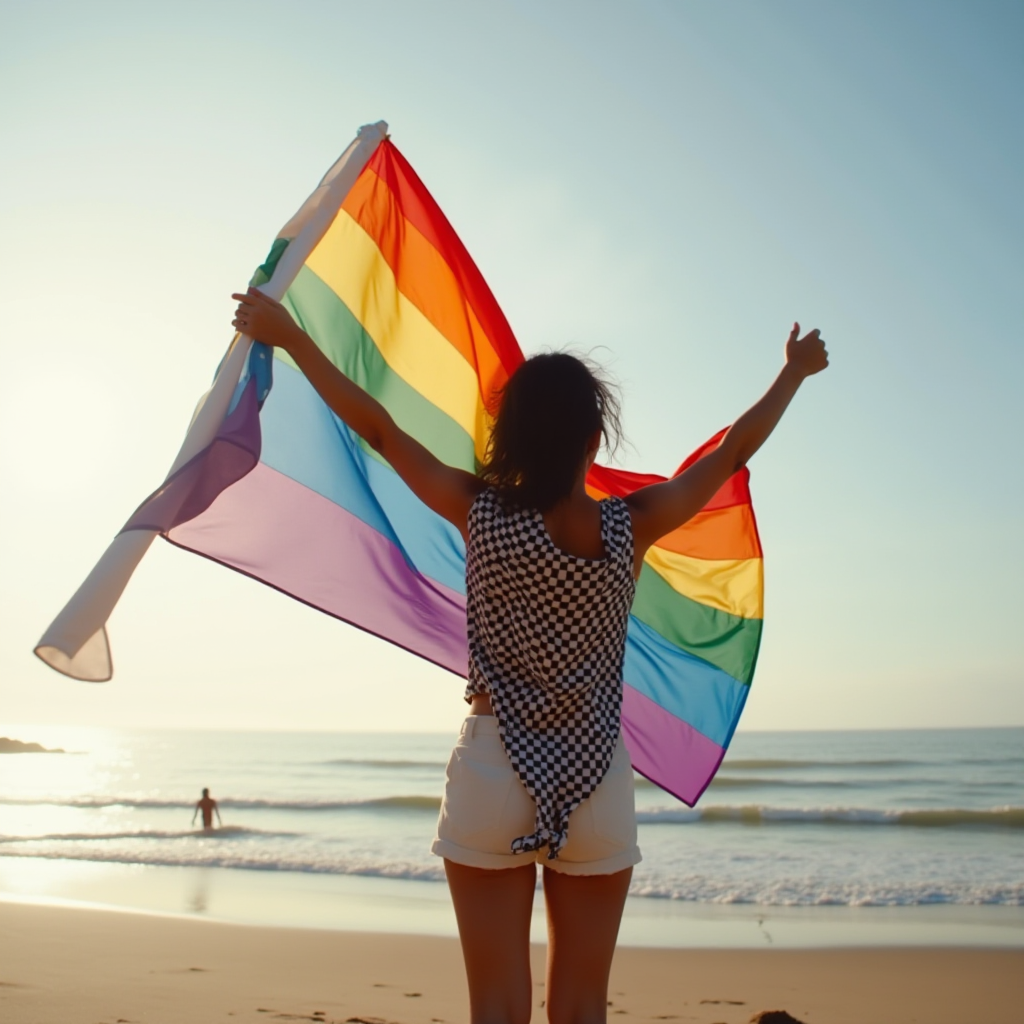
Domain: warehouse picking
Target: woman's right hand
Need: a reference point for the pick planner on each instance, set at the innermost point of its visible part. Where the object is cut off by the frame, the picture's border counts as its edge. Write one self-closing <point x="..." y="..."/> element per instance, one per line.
<point x="265" y="320"/>
<point x="806" y="355"/>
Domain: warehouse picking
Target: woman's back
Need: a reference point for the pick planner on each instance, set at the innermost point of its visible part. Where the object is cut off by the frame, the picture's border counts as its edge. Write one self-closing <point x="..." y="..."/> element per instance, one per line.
<point x="547" y="634"/>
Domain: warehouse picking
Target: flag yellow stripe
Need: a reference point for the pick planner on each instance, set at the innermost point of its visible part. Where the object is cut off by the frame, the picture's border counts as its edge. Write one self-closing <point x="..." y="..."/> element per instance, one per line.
<point x="348" y="261"/>
<point x="731" y="585"/>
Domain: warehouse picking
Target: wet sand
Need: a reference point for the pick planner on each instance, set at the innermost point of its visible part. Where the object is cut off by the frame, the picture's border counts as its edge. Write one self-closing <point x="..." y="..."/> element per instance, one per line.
<point x="61" y="965"/>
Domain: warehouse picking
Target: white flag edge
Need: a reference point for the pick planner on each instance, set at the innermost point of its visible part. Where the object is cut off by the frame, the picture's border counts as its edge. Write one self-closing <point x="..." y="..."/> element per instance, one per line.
<point x="76" y="643"/>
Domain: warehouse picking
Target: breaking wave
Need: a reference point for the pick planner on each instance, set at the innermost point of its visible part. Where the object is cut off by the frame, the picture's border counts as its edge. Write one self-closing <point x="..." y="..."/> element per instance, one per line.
<point x="397" y="803"/>
<point x="786" y="890"/>
<point x="224" y="832"/>
<point x="954" y="817"/>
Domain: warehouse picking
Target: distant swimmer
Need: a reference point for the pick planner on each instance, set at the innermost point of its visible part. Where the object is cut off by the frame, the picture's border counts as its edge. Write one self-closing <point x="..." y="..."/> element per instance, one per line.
<point x="209" y="807"/>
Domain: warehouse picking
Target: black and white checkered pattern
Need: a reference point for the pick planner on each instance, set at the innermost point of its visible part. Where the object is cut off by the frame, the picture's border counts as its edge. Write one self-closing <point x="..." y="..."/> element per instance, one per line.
<point x="547" y="638"/>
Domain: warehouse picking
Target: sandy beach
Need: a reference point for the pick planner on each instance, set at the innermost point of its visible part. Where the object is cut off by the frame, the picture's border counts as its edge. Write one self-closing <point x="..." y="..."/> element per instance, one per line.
<point x="61" y="965"/>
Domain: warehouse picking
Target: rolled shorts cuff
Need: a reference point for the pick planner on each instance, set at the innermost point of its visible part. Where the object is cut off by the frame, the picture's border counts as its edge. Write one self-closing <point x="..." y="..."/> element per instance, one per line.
<point x="504" y="861"/>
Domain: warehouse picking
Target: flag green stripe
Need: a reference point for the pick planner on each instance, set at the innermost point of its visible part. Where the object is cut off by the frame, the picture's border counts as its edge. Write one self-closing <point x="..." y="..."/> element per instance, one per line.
<point x="340" y="336"/>
<point x="727" y="641"/>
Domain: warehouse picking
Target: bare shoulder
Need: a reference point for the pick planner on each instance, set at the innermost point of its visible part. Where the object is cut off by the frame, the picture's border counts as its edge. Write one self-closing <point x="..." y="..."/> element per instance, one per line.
<point x="647" y="507"/>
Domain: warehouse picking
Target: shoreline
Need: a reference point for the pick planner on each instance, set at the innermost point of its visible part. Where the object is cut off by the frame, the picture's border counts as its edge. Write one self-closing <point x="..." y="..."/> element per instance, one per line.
<point x="79" y="966"/>
<point x="361" y="903"/>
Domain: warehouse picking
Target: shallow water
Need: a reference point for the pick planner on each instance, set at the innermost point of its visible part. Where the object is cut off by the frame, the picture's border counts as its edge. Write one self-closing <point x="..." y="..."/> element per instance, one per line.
<point x="794" y="823"/>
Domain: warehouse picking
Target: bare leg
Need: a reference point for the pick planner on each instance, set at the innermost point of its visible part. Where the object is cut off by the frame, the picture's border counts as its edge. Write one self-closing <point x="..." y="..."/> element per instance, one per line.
<point x="493" y="909"/>
<point x="583" y="923"/>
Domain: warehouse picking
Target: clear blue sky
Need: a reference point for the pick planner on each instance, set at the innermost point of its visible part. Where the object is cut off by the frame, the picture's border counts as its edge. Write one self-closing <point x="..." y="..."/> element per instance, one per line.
<point x="669" y="184"/>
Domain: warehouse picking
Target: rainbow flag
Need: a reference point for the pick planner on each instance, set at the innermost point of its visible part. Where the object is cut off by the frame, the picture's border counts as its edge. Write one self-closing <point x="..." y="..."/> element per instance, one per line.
<point x="286" y="493"/>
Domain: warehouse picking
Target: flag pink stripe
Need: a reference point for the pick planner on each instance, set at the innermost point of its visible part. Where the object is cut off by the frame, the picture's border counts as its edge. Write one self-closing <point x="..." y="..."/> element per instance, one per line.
<point x="280" y="532"/>
<point x="667" y="750"/>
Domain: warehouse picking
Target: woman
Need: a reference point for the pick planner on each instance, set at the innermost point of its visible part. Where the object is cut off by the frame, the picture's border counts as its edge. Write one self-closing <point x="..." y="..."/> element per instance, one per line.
<point x="540" y="773"/>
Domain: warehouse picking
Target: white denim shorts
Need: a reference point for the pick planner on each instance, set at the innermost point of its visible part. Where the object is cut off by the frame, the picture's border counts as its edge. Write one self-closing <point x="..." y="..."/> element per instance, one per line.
<point x="485" y="807"/>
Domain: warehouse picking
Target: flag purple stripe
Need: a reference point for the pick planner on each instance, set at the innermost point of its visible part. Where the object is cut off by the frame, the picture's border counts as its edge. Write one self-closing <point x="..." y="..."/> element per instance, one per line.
<point x="278" y="531"/>
<point x="230" y="456"/>
<point x="666" y="749"/>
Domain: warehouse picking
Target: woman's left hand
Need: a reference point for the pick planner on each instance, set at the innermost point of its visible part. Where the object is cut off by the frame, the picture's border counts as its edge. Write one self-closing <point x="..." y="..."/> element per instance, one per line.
<point x="263" y="319"/>
<point x="807" y="355"/>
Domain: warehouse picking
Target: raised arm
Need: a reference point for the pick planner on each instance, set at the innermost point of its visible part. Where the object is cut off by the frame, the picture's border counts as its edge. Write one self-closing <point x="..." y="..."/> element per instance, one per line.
<point x="447" y="490"/>
<point x="660" y="508"/>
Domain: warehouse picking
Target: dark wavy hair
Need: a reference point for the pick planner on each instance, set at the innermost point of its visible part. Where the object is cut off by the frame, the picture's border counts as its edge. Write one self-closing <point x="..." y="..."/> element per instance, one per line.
<point x="550" y="408"/>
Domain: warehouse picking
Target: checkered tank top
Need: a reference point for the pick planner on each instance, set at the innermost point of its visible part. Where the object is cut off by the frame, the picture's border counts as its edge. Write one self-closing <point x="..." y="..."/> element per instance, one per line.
<point x="547" y="638"/>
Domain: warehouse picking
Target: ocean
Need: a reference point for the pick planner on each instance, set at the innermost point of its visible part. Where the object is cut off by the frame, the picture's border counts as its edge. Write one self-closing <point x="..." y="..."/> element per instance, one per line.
<point x="804" y="838"/>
